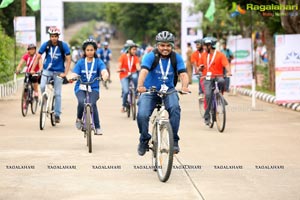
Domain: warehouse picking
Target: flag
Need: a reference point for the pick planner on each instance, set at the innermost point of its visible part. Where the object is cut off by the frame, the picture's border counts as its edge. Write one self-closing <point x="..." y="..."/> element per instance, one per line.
<point x="210" y="11"/>
<point x="5" y="3"/>
<point x="34" y="4"/>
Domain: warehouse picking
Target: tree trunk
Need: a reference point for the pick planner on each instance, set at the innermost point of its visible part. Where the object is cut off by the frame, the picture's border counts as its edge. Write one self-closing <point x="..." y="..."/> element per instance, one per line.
<point x="271" y="58"/>
<point x="290" y="20"/>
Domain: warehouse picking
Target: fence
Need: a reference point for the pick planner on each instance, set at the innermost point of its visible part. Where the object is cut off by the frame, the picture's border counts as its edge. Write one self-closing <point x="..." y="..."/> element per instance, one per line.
<point x="11" y="87"/>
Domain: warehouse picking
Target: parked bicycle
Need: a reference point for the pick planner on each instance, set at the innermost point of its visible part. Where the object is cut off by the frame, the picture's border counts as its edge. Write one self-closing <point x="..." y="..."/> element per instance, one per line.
<point x="48" y="103"/>
<point x="217" y="111"/>
<point x="28" y="96"/>
<point x="87" y="118"/>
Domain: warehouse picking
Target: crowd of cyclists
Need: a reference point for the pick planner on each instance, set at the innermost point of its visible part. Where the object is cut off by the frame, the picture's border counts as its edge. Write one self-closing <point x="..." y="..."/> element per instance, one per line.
<point x="158" y="66"/>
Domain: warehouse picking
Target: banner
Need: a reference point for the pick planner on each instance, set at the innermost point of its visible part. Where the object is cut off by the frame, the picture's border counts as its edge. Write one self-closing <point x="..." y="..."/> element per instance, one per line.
<point x="287" y="67"/>
<point x="241" y="65"/>
<point x="25" y="30"/>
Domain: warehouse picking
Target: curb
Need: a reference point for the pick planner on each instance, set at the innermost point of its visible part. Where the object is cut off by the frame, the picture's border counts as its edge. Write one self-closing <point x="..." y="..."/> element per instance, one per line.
<point x="268" y="98"/>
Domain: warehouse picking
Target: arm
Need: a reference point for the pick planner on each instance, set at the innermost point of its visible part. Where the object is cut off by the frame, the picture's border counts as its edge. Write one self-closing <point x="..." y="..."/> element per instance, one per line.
<point x="104" y="74"/>
<point x="37" y="60"/>
<point x="142" y="76"/>
<point x="21" y="63"/>
<point x="184" y="82"/>
<point x="68" y="64"/>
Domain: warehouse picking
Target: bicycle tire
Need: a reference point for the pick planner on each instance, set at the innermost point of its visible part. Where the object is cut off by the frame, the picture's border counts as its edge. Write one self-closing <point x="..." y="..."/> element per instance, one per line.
<point x="88" y="121"/>
<point x="128" y="108"/>
<point x="133" y="105"/>
<point x="212" y="117"/>
<point x="43" y="112"/>
<point x="154" y="147"/>
<point x="52" y="113"/>
<point x="24" y="102"/>
<point x="34" y="104"/>
<point x="164" y="140"/>
<point x="201" y="107"/>
<point x="220" y="113"/>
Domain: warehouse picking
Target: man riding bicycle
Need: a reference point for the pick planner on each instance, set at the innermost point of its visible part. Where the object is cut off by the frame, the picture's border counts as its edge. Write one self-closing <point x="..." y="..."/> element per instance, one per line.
<point x="212" y="63"/>
<point x="162" y="77"/>
<point x="195" y="59"/>
<point x="128" y="67"/>
<point x="54" y="65"/>
<point x="106" y="55"/>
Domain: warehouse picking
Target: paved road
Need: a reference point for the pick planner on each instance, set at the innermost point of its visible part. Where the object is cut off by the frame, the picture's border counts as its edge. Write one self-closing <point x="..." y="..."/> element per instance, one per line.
<point x="257" y="157"/>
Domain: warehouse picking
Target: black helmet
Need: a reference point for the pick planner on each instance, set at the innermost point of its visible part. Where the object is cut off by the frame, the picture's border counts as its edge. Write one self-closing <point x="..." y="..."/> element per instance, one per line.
<point x="210" y="40"/>
<point x="89" y="42"/>
<point x="31" y="46"/>
<point x="165" y="36"/>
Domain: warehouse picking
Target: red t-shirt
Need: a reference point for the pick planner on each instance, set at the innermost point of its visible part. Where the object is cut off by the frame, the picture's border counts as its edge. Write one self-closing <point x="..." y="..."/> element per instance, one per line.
<point x="128" y="61"/>
<point x="214" y="66"/>
<point x="29" y="62"/>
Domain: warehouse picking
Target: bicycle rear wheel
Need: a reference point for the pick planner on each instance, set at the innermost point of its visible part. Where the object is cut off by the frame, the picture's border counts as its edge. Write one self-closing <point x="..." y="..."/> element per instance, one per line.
<point x="24" y="102"/>
<point x="154" y="147"/>
<point x="88" y="121"/>
<point x="220" y="113"/>
<point x="52" y="113"/>
<point x="133" y="105"/>
<point x="165" y="150"/>
<point x="43" y="112"/>
<point x="212" y="117"/>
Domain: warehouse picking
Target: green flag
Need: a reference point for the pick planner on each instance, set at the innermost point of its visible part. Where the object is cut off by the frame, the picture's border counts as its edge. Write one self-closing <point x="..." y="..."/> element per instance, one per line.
<point x="210" y="11"/>
<point x="34" y="4"/>
<point x="5" y="3"/>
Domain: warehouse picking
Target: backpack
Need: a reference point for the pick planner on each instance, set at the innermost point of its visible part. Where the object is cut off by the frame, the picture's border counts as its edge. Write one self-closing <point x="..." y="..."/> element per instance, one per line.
<point x="61" y="48"/>
<point x="172" y="56"/>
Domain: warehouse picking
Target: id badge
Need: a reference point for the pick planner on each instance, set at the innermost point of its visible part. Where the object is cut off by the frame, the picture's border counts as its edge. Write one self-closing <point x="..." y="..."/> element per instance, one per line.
<point x="208" y="76"/>
<point x="164" y="88"/>
<point x="129" y="73"/>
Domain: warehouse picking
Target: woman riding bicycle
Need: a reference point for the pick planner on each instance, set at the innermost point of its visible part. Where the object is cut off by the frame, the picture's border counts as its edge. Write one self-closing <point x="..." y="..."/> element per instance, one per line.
<point x="88" y="68"/>
<point x="213" y="61"/>
<point x="128" y="68"/>
<point x="29" y="59"/>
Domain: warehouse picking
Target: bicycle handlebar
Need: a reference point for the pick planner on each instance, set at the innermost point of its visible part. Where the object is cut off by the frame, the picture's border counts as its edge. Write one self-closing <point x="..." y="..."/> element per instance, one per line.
<point x="162" y="93"/>
<point x="84" y="83"/>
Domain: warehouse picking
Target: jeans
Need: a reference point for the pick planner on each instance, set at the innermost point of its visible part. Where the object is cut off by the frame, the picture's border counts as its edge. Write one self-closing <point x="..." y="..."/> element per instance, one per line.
<point x="94" y="96"/>
<point x="147" y="103"/>
<point x="208" y="85"/>
<point x="58" y="81"/>
<point x="125" y="86"/>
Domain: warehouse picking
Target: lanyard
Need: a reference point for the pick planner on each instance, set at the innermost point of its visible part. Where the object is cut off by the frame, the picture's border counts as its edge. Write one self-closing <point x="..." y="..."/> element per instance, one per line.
<point x="212" y="60"/>
<point x="199" y="54"/>
<point x="52" y="54"/>
<point x="164" y="73"/>
<point x="105" y="52"/>
<point x="29" y="65"/>
<point x="130" y="62"/>
<point x="89" y="73"/>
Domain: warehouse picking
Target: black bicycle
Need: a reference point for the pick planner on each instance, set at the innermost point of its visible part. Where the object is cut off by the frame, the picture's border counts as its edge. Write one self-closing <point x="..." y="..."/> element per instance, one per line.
<point x="28" y="96"/>
<point x="131" y="100"/>
<point x="217" y="111"/>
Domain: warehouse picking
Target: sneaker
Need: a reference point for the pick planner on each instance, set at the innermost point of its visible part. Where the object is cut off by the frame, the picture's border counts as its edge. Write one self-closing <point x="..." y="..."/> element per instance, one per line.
<point x="123" y="109"/>
<point x="142" y="148"/>
<point x="201" y="96"/>
<point x="98" y="131"/>
<point x="78" y="124"/>
<point x="176" y="147"/>
<point x="206" y="121"/>
<point x="57" y="119"/>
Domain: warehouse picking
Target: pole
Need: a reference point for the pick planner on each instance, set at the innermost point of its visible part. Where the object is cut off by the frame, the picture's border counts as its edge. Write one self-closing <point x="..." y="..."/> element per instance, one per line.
<point x="253" y="71"/>
<point x="23" y="7"/>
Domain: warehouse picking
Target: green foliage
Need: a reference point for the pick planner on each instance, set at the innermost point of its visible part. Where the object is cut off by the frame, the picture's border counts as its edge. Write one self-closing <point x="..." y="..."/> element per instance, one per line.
<point x="83" y="34"/>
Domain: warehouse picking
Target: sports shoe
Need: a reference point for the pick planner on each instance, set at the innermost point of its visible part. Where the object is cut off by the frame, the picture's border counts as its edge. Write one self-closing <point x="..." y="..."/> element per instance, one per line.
<point x="57" y="119"/>
<point x="201" y="96"/>
<point x="206" y="121"/>
<point x="123" y="109"/>
<point x="98" y="131"/>
<point x="176" y="147"/>
<point x="142" y="148"/>
<point x="78" y="124"/>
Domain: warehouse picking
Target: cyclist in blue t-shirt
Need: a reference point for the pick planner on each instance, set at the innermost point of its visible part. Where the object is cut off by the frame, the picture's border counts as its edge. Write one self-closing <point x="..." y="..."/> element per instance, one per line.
<point x="54" y="65"/>
<point x="88" y="68"/>
<point x="162" y="77"/>
<point x="106" y="55"/>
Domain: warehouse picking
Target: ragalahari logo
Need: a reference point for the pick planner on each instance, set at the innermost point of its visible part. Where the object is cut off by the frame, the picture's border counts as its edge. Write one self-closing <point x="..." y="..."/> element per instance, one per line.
<point x="236" y="10"/>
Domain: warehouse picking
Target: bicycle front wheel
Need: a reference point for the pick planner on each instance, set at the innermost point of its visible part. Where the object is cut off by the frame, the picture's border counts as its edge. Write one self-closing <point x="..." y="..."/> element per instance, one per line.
<point x="201" y="106"/>
<point x="165" y="151"/>
<point x="24" y="102"/>
<point x="220" y="113"/>
<point x="43" y="112"/>
<point x="34" y="104"/>
<point x="52" y="113"/>
<point x="88" y="121"/>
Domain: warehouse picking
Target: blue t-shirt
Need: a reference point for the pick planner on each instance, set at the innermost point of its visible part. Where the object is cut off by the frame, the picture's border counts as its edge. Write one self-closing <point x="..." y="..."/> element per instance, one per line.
<point x="57" y="61"/>
<point x="104" y="54"/>
<point x="154" y="77"/>
<point x="80" y="70"/>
